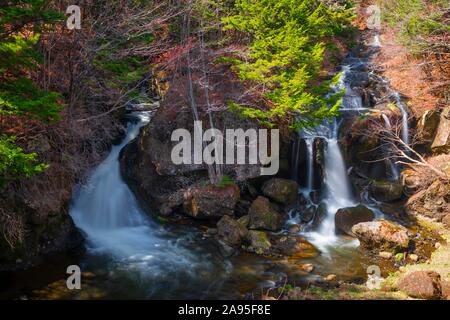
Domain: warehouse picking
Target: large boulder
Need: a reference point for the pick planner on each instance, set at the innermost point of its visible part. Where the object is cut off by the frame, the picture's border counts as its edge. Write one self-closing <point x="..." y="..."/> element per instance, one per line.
<point x="433" y="202"/>
<point x="146" y="163"/>
<point x="381" y="235"/>
<point x="386" y="190"/>
<point x="263" y="215"/>
<point x="346" y="218"/>
<point x="281" y="190"/>
<point x="211" y="201"/>
<point x="441" y="142"/>
<point x="231" y="231"/>
<point x="421" y="285"/>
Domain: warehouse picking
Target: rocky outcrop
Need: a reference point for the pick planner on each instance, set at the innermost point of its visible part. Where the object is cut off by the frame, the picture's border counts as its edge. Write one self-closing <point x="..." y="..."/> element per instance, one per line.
<point x="433" y="202"/>
<point x="211" y="201"/>
<point x="346" y="218"/>
<point x="281" y="190"/>
<point x="20" y="248"/>
<point x="421" y="285"/>
<point x="381" y="235"/>
<point x="441" y="142"/>
<point x="264" y="215"/>
<point x="146" y="163"/>
<point x="386" y="190"/>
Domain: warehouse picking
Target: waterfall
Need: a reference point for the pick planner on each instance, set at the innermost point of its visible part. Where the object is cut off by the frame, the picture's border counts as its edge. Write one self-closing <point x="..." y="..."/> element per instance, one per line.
<point x="405" y="125"/>
<point x="376" y="41"/>
<point x="392" y="164"/>
<point x="114" y="224"/>
<point x="337" y="185"/>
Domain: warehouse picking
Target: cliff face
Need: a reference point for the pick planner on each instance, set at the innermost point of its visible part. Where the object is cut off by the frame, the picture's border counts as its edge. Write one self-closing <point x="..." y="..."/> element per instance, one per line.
<point x="146" y="163"/>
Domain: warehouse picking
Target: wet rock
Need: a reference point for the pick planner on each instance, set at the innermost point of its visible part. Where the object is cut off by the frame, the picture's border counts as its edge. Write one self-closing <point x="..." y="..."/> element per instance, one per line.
<point x="308" y="214"/>
<point x="358" y="79"/>
<point x="291" y="245"/>
<point x="294" y="229"/>
<point x="386" y="190"/>
<point x="281" y="190"/>
<point x="381" y="234"/>
<point x="346" y="218"/>
<point x="321" y="214"/>
<point x="211" y="201"/>
<point x="258" y="242"/>
<point x="421" y="285"/>
<point x="231" y="231"/>
<point x="264" y="215"/>
<point x="315" y="196"/>
<point x="308" y="267"/>
<point x="441" y="142"/>
<point x="319" y="146"/>
<point x="433" y="202"/>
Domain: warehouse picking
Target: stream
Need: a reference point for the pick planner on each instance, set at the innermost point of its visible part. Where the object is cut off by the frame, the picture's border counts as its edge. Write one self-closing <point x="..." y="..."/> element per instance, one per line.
<point x="129" y="255"/>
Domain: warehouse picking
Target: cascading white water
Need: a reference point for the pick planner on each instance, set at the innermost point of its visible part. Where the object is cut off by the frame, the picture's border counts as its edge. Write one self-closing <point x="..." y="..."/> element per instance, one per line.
<point x="405" y="125"/>
<point x="337" y="185"/>
<point x="392" y="164"/>
<point x="376" y="41"/>
<point x="109" y="214"/>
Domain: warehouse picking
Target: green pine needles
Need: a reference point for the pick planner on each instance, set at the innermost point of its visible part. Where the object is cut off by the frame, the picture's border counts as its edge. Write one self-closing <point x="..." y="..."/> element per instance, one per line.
<point x="289" y="39"/>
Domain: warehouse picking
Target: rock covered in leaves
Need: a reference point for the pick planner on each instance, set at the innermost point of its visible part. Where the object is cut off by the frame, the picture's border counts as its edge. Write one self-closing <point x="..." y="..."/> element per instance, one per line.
<point x="346" y="218"/>
<point x="281" y="190"/>
<point x="263" y="215"/>
<point x="433" y="202"/>
<point x="381" y="234"/>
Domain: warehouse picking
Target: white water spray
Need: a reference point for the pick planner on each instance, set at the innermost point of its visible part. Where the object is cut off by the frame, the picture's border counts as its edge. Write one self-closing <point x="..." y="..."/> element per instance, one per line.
<point x="405" y="125"/>
<point x="109" y="214"/>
